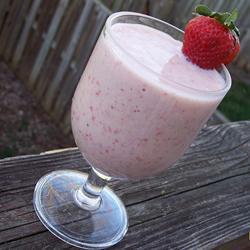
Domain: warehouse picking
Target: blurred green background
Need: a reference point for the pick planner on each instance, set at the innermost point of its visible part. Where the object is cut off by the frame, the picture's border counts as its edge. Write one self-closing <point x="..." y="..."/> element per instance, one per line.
<point x="236" y="104"/>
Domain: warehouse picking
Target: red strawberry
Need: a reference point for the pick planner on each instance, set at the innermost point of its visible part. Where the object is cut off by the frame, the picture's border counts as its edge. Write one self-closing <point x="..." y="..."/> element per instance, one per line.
<point x="210" y="39"/>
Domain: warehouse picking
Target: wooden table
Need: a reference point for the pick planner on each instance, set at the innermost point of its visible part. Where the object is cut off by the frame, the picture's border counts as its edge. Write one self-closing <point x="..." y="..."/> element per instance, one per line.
<point x="200" y="203"/>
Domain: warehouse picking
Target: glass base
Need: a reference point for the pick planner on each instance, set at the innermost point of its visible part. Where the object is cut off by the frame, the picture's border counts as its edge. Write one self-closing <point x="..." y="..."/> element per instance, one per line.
<point x="55" y="205"/>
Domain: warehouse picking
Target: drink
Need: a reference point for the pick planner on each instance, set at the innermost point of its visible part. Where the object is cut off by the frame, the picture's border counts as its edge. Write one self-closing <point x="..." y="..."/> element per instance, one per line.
<point x="132" y="122"/>
<point x="137" y="107"/>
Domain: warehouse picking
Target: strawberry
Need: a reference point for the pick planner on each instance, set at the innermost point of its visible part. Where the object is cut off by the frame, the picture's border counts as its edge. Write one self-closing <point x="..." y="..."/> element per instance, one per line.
<point x="211" y="38"/>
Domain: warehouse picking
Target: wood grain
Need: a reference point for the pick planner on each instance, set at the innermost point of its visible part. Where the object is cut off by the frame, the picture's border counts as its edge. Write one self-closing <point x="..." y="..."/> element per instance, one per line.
<point x="21" y="42"/>
<point x="202" y="202"/>
<point x="61" y="41"/>
<point x="16" y="28"/>
<point x="67" y="55"/>
<point x="35" y="37"/>
<point x="48" y="39"/>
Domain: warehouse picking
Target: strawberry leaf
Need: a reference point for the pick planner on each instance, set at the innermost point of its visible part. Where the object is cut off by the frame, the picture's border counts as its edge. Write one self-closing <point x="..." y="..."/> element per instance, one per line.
<point x="226" y="18"/>
<point x="221" y="17"/>
<point x="203" y="10"/>
<point x="232" y="18"/>
<point x="230" y="22"/>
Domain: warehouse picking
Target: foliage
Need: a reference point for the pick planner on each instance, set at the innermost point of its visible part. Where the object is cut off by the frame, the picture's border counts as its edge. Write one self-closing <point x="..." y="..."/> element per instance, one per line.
<point x="236" y="104"/>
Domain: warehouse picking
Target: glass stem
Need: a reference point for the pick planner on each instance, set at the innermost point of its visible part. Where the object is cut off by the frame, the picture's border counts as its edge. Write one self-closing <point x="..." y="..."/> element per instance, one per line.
<point x="88" y="196"/>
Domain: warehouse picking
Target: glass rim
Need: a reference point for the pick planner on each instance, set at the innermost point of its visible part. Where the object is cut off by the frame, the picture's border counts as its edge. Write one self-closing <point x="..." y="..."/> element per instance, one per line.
<point x="108" y="24"/>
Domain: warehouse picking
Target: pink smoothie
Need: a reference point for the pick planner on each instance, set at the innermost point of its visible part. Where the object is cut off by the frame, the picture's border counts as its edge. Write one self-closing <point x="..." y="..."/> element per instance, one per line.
<point x="140" y="103"/>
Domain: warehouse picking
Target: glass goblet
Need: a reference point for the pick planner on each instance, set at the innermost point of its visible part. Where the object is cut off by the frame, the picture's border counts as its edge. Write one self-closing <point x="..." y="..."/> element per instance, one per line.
<point x="129" y="122"/>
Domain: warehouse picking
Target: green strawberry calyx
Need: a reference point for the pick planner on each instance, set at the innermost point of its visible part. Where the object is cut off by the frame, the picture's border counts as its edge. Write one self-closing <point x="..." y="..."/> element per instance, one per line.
<point x="227" y="19"/>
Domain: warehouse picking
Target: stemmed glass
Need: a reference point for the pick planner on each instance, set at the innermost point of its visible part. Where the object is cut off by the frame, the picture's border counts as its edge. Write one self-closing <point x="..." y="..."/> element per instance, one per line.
<point x="129" y="122"/>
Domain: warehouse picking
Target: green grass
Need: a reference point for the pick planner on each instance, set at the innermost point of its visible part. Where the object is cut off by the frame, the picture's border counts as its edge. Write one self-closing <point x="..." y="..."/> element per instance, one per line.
<point x="236" y="104"/>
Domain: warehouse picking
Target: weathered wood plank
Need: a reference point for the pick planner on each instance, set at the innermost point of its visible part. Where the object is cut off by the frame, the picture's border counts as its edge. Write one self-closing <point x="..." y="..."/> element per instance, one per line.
<point x="107" y="3"/>
<point x="67" y="55"/>
<point x="127" y="5"/>
<point x="240" y="75"/>
<point x="162" y="9"/>
<point x="4" y="8"/>
<point x="54" y="25"/>
<point x="35" y="39"/>
<point x="66" y="125"/>
<point x="16" y="28"/>
<point x="25" y="33"/>
<point x="203" y="218"/>
<point x="139" y="6"/>
<point x="60" y="42"/>
<point x="9" y="24"/>
<point x="117" y="5"/>
<point x="199" y="203"/>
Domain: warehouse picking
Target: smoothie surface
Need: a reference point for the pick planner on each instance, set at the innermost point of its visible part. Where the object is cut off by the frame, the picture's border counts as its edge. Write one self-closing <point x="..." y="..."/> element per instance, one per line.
<point x="162" y="54"/>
